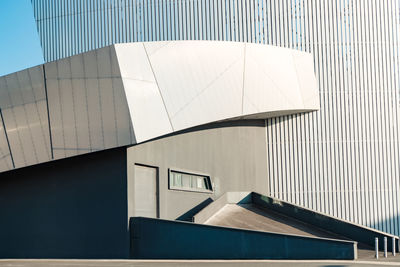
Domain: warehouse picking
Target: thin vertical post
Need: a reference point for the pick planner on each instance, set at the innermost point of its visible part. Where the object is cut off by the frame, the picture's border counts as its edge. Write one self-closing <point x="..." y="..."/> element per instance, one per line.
<point x="376" y="248"/>
<point x="393" y="246"/>
<point x="385" y="247"/>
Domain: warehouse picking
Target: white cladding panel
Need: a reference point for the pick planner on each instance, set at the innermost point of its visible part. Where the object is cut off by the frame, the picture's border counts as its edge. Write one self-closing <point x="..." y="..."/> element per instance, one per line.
<point x="303" y="62"/>
<point x="171" y="86"/>
<point x="211" y="89"/>
<point x="147" y="110"/>
<point x="131" y="93"/>
<point x="24" y="116"/>
<point x="88" y="109"/>
<point x="6" y="162"/>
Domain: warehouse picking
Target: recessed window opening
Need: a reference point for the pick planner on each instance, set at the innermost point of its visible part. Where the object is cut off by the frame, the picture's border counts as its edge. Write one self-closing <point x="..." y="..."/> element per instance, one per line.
<point x="189" y="182"/>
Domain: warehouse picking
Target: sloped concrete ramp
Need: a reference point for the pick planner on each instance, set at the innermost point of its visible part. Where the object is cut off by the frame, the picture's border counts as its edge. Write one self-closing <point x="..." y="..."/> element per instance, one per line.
<point x="250" y="210"/>
<point x="249" y="216"/>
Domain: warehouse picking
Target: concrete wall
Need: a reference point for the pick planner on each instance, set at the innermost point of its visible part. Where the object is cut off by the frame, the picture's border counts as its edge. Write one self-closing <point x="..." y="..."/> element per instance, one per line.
<point x="71" y="208"/>
<point x="232" y="153"/>
<point x="164" y="239"/>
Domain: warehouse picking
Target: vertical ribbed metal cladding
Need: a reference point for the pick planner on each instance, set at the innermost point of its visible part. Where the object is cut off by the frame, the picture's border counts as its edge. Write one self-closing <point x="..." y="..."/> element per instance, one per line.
<point x="342" y="160"/>
<point x="71" y="27"/>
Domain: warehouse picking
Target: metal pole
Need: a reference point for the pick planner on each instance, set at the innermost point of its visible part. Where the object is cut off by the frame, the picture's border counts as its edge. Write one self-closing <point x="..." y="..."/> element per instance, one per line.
<point x="376" y="248"/>
<point x="394" y="246"/>
<point x="385" y="247"/>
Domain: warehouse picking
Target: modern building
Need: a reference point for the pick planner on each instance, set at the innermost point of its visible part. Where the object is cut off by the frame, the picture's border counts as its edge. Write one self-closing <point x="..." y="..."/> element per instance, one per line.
<point x="194" y="112"/>
<point x="181" y="102"/>
<point x="343" y="160"/>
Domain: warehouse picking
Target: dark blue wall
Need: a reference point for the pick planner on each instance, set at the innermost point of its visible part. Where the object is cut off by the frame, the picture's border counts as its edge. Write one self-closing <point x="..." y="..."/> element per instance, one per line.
<point x="162" y="239"/>
<point x="70" y="208"/>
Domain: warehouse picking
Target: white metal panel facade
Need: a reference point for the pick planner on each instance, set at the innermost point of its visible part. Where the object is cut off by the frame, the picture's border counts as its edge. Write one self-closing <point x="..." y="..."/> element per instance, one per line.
<point x="145" y="102"/>
<point x="342" y="160"/>
<point x="5" y="155"/>
<point x="175" y="85"/>
<point x="88" y="110"/>
<point x="24" y="118"/>
<point x="130" y="93"/>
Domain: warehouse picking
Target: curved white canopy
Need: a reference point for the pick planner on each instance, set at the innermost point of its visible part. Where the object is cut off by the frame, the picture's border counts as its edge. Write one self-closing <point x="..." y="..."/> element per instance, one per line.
<point x="129" y="93"/>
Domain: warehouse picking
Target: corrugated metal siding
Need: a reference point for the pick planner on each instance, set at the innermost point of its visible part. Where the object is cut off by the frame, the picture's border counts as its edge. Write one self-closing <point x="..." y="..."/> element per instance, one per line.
<point x="342" y="160"/>
<point x="75" y="26"/>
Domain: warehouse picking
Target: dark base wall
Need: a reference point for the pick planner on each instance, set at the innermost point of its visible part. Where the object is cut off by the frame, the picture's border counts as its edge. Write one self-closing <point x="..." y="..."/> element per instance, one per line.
<point x="71" y="208"/>
<point x="164" y="239"/>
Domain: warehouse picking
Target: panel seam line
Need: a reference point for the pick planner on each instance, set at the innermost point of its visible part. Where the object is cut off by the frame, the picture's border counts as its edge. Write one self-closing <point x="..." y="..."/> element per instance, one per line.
<point x="48" y="111"/>
<point x="8" y="141"/>
<point x="158" y="87"/>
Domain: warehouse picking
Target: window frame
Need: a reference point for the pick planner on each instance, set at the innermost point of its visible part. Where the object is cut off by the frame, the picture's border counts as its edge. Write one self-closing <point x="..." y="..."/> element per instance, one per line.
<point x="208" y="182"/>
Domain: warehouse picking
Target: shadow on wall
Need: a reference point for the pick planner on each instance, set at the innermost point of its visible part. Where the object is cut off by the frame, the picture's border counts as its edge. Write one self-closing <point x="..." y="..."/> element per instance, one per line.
<point x="390" y="225"/>
<point x="188" y="216"/>
<point x="70" y="208"/>
<point x="214" y="125"/>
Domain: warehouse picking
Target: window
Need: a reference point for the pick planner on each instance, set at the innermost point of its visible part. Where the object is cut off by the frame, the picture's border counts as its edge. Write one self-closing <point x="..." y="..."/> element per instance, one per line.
<point x="189" y="182"/>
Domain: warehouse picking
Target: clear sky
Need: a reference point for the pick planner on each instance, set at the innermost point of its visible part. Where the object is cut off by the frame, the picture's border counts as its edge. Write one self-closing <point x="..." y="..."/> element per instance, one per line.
<point x="19" y="40"/>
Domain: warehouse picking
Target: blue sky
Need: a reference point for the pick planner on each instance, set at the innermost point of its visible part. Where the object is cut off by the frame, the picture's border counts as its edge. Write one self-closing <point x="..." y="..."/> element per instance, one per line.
<point x="19" y="41"/>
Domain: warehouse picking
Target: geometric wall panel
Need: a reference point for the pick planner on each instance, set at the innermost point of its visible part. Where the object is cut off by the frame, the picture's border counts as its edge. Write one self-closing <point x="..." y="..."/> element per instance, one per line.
<point x="24" y="115"/>
<point x="130" y="93"/>
<point x="197" y="82"/>
<point x="87" y="105"/>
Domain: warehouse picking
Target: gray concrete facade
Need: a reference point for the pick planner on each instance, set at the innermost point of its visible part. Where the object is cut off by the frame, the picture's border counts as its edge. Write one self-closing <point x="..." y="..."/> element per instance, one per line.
<point x="233" y="154"/>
